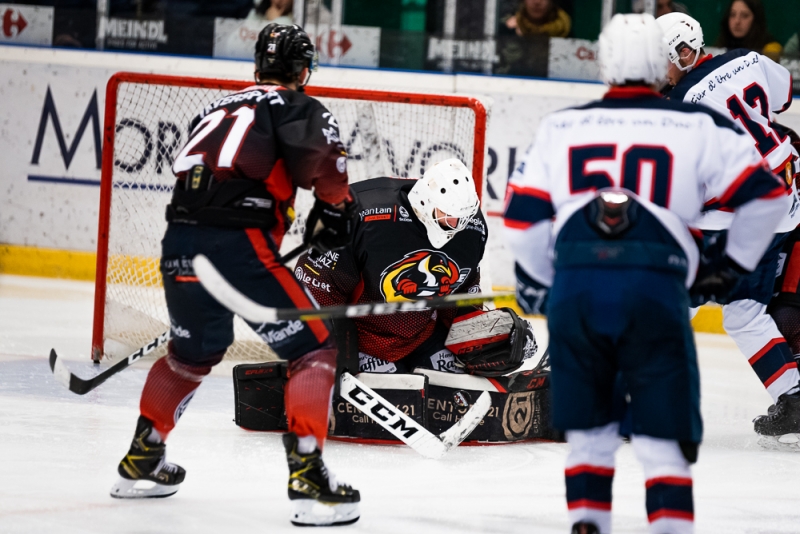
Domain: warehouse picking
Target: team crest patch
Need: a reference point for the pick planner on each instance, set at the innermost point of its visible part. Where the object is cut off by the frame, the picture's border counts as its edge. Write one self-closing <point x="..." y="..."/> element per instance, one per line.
<point x="421" y="274"/>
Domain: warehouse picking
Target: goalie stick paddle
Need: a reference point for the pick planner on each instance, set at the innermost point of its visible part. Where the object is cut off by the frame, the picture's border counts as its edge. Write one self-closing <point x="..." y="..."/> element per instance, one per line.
<point x="237" y="302"/>
<point x="406" y="429"/>
<point x="82" y="386"/>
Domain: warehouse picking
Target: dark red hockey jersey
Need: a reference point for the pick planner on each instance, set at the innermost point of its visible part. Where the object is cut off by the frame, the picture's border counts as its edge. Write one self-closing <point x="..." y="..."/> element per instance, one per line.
<point x="282" y="137"/>
<point x="391" y="259"/>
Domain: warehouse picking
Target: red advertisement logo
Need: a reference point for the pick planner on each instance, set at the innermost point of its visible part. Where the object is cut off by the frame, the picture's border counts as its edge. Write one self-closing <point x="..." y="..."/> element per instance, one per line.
<point x="10" y="22"/>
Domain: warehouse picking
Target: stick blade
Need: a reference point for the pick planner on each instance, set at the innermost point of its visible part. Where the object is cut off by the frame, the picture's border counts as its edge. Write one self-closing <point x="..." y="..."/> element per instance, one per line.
<point x="60" y="371"/>
<point x="457" y="433"/>
<point x="390" y="418"/>
<point x="229" y="296"/>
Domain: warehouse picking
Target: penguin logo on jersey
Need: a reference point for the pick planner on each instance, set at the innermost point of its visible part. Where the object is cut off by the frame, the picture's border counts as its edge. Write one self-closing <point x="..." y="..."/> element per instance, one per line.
<point x="421" y="274"/>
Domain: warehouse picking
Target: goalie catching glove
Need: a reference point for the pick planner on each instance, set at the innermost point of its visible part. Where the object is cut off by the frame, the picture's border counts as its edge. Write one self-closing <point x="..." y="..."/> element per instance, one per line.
<point x="492" y="343"/>
<point x="328" y="227"/>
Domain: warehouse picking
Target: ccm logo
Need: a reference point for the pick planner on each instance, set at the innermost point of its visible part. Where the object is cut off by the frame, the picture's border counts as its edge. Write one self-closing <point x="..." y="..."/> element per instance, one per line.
<point x="381" y="411"/>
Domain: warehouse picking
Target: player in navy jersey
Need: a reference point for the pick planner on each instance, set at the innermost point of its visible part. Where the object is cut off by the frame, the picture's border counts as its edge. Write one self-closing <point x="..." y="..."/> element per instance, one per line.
<point x="598" y="217"/>
<point x="233" y="198"/>
<point x="751" y="89"/>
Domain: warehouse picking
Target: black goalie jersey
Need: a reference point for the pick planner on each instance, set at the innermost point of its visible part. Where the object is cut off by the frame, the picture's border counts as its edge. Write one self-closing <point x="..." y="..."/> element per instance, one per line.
<point x="392" y="260"/>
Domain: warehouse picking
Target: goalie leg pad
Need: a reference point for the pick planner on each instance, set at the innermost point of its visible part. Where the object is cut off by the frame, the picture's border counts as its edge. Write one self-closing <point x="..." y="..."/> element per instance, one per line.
<point x="308" y="392"/>
<point x="491" y="343"/>
<point x="169" y="387"/>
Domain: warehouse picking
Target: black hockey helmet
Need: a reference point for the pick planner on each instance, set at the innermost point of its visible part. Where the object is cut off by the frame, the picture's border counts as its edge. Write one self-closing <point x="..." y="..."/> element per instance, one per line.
<point x="283" y="51"/>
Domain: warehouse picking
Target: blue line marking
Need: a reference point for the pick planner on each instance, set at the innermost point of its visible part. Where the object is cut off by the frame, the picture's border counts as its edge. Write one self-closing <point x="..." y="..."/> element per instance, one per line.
<point x="164" y="188"/>
<point x="62" y="180"/>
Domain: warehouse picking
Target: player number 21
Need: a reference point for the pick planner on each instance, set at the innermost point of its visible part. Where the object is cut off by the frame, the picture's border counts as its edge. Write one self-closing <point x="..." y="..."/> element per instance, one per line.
<point x="244" y="117"/>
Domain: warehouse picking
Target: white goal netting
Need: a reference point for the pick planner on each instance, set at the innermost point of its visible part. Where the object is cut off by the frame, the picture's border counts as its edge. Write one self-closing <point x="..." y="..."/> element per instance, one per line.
<point x="151" y="118"/>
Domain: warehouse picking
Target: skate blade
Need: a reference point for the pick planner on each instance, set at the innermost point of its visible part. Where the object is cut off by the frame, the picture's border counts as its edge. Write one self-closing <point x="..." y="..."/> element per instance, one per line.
<point x="312" y="513"/>
<point x="786" y="442"/>
<point x="141" y="489"/>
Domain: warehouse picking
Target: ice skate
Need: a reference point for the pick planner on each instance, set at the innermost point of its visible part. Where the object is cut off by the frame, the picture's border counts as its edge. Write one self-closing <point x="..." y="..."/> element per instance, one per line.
<point x="144" y="472"/>
<point x="584" y="528"/>
<point x="317" y="498"/>
<point x="780" y="428"/>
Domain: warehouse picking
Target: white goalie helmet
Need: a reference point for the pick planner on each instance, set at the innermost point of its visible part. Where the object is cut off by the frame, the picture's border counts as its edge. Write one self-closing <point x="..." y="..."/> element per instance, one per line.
<point x="449" y="188"/>
<point x="631" y="48"/>
<point x="681" y="30"/>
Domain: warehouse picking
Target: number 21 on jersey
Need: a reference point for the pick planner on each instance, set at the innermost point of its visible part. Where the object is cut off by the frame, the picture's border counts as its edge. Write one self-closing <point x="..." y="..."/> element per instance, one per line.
<point x="228" y="150"/>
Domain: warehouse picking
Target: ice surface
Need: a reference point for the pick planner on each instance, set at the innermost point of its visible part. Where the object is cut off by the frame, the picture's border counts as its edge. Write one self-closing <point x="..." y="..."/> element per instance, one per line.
<point x="59" y="452"/>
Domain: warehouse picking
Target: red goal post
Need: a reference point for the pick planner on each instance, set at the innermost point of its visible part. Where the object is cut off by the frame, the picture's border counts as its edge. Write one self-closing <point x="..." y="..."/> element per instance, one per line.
<point x="136" y="179"/>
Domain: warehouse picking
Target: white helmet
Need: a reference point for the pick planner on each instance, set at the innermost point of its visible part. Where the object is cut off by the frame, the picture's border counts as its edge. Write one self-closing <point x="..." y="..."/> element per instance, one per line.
<point x="448" y="186"/>
<point x="631" y="49"/>
<point x="680" y="31"/>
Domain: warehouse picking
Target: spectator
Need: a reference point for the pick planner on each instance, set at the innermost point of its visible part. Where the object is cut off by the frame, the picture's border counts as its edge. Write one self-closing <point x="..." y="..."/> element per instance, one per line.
<point x="744" y="25"/>
<point x="278" y="11"/>
<point x="539" y="17"/>
<point x="668" y="6"/>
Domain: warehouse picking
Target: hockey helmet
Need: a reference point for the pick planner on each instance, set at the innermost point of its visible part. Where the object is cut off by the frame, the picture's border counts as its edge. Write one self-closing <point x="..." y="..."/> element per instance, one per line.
<point x="447" y="190"/>
<point x="285" y="50"/>
<point x="631" y="49"/>
<point x="681" y="31"/>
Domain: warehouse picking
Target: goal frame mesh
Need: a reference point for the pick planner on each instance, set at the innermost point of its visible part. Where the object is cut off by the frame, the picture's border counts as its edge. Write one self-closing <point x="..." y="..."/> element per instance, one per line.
<point x="109" y="134"/>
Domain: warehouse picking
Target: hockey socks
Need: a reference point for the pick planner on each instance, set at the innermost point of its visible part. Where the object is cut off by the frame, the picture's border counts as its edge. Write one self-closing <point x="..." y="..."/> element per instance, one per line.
<point x="758" y="337"/>
<point x="169" y="387"/>
<point x="669" y="501"/>
<point x="589" y="475"/>
<point x="307" y="394"/>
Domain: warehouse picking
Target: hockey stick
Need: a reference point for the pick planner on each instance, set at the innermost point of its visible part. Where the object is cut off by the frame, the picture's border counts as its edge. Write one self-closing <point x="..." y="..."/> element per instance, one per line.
<point x="351" y="389"/>
<point x="234" y="300"/>
<point x="406" y="429"/>
<point x="82" y="386"/>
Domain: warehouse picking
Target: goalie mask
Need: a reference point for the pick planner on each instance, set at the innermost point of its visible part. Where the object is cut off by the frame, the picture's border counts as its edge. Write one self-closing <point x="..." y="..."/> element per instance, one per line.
<point x="284" y="51"/>
<point x="492" y="343"/>
<point x="445" y="193"/>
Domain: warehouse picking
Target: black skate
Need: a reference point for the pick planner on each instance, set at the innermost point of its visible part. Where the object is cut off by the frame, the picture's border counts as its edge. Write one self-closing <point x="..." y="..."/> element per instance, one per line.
<point x="317" y="498"/>
<point x="144" y="472"/>
<point x="584" y="528"/>
<point x="780" y="428"/>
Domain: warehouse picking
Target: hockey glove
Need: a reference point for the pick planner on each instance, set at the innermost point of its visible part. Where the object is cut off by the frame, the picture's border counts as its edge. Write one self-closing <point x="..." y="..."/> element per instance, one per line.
<point x="531" y="295"/>
<point x="717" y="275"/>
<point x="491" y="343"/>
<point x="329" y="228"/>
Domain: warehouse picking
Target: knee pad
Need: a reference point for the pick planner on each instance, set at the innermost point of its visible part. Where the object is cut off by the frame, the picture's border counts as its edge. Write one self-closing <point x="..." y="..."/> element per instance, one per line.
<point x="596" y="446"/>
<point x="662" y="457"/>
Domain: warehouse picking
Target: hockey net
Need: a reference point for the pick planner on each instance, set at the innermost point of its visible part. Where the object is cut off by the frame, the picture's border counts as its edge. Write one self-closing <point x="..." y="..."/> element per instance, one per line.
<point x="146" y="124"/>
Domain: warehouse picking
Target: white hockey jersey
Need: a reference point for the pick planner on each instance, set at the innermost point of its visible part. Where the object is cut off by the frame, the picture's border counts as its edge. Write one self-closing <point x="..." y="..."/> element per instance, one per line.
<point x="752" y="89"/>
<point x="674" y="156"/>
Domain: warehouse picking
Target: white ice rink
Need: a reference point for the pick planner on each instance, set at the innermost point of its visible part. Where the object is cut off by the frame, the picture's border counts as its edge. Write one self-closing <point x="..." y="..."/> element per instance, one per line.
<point x="59" y="453"/>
